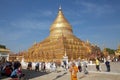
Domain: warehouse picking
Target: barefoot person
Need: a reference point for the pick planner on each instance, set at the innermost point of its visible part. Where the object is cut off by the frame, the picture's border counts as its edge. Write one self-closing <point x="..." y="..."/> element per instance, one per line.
<point x="73" y="69"/>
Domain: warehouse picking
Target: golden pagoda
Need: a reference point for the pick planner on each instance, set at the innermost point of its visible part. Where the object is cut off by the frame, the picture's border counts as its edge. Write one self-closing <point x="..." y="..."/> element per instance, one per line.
<point x="117" y="52"/>
<point x="61" y="41"/>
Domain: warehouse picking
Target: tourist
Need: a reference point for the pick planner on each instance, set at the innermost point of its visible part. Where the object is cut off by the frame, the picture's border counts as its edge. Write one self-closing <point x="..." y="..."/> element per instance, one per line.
<point x="97" y="64"/>
<point x="65" y="65"/>
<point x="107" y="65"/>
<point x="29" y="67"/>
<point x="14" y="74"/>
<point x="85" y="67"/>
<point x="37" y="67"/>
<point x="8" y="71"/>
<point x="73" y="69"/>
<point x="17" y="64"/>
<point x="79" y="66"/>
<point x="17" y="73"/>
<point x="20" y="74"/>
<point x="53" y="67"/>
<point x="43" y="66"/>
<point x="3" y="65"/>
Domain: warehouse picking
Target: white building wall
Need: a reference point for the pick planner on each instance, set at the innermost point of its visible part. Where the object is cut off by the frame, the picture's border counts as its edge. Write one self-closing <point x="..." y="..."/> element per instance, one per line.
<point x="5" y="55"/>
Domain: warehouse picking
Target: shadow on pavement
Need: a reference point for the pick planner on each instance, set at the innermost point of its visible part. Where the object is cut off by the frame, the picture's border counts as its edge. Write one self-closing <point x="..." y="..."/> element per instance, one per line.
<point x="29" y="74"/>
<point x="82" y="77"/>
<point x="59" y="76"/>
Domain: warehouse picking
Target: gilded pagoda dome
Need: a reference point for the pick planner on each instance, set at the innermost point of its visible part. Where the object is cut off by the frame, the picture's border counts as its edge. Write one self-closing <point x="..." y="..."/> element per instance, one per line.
<point x="60" y="41"/>
<point x="60" y="25"/>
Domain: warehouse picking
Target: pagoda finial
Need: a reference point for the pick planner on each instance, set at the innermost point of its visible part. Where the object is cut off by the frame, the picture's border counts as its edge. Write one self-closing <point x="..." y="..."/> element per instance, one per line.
<point x="59" y="24"/>
<point x="60" y="5"/>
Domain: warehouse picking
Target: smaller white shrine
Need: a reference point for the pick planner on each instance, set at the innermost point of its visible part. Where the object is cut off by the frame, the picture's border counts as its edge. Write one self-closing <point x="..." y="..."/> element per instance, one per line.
<point x="4" y="53"/>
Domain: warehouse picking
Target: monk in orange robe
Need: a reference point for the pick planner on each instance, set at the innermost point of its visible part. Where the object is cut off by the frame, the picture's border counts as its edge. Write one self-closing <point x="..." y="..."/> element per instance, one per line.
<point x="73" y="70"/>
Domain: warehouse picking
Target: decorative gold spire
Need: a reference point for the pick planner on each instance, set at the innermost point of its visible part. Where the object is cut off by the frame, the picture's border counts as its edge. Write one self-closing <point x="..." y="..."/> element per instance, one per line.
<point x="60" y="7"/>
<point x="60" y="25"/>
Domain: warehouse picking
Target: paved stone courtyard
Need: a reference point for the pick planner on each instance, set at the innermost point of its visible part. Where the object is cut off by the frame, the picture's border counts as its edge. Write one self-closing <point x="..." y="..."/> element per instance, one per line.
<point x="81" y="76"/>
<point x="65" y="75"/>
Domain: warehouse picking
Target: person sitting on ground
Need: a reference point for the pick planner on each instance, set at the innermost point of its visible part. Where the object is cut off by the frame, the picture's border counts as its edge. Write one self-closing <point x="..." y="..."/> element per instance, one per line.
<point x="8" y="71"/>
<point x="17" y="73"/>
<point x="14" y="74"/>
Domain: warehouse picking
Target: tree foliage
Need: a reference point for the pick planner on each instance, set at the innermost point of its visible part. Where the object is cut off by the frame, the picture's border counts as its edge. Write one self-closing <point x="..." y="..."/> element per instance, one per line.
<point x="110" y="51"/>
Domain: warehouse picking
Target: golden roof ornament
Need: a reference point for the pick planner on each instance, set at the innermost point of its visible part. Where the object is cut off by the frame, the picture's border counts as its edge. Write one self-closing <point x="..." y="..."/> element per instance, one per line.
<point x="60" y="7"/>
<point x="60" y="25"/>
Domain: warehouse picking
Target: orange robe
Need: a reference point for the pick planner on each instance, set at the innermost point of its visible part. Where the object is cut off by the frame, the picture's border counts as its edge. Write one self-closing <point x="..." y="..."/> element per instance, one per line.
<point x="74" y="71"/>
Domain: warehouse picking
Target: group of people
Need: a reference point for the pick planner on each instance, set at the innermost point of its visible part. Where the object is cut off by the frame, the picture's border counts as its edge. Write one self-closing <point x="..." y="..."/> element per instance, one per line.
<point x="75" y="68"/>
<point x="42" y="66"/>
<point x="11" y="69"/>
<point x="98" y="65"/>
<point x="6" y="69"/>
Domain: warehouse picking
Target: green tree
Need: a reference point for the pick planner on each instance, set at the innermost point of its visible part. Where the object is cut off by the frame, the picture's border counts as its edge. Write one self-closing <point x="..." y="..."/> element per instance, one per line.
<point x="110" y="51"/>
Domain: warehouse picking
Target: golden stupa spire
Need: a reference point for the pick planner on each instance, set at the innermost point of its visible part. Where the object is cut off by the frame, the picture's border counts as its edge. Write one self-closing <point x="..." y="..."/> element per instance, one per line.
<point x="60" y="25"/>
<point x="60" y="8"/>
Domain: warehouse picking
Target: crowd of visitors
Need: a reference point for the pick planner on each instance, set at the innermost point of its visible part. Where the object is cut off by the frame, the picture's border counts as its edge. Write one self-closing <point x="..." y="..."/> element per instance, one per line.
<point x="14" y="69"/>
<point x="11" y="69"/>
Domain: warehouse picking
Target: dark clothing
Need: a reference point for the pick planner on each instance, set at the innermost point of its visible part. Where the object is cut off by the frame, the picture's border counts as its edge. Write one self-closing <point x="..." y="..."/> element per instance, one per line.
<point x="37" y="67"/>
<point x="65" y="64"/>
<point x="17" y="64"/>
<point x="107" y="66"/>
<point x="8" y="71"/>
<point x="97" y="67"/>
<point x="29" y="67"/>
<point x="79" y="68"/>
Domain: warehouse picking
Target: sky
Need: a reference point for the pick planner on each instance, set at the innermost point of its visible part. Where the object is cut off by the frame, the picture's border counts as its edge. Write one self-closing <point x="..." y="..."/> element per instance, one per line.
<point x="24" y="22"/>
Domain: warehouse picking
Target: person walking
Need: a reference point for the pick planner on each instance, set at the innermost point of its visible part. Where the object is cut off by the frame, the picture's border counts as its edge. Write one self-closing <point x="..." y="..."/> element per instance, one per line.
<point x="107" y="65"/>
<point x="37" y="67"/>
<point x="74" y="70"/>
<point x="79" y="66"/>
<point x="85" y="67"/>
<point x="97" y="64"/>
<point x="29" y="67"/>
